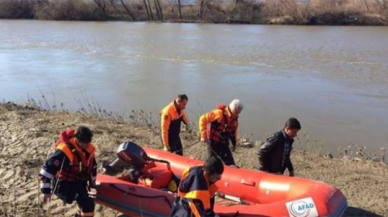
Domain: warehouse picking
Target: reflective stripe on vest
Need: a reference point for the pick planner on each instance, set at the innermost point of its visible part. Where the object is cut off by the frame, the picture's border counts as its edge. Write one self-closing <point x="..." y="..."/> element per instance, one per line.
<point x="194" y="193"/>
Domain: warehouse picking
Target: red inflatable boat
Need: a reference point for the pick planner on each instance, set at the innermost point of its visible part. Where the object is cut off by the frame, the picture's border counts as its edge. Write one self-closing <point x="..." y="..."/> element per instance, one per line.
<point x="244" y="192"/>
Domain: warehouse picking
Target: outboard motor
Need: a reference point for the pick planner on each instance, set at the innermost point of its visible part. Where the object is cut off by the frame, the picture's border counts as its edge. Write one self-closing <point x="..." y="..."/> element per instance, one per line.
<point x="131" y="156"/>
<point x="141" y="168"/>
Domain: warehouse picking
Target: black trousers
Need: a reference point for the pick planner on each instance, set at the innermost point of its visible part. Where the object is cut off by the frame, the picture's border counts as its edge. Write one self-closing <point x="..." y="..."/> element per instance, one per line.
<point x="176" y="145"/>
<point x="180" y="208"/>
<point x="70" y="191"/>
<point x="220" y="150"/>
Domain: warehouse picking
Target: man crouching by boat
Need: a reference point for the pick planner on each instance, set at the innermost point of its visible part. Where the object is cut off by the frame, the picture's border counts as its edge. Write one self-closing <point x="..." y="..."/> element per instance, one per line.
<point x="197" y="190"/>
<point x="71" y="170"/>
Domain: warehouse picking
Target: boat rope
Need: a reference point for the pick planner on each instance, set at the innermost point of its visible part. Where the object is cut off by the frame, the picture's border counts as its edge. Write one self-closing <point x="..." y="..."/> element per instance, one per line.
<point x="188" y="146"/>
<point x="56" y="178"/>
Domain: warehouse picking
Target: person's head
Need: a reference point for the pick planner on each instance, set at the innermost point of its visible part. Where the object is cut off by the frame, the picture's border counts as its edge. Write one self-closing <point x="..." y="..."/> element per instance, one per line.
<point x="235" y="108"/>
<point x="181" y="101"/>
<point x="292" y="127"/>
<point x="83" y="136"/>
<point x="213" y="169"/>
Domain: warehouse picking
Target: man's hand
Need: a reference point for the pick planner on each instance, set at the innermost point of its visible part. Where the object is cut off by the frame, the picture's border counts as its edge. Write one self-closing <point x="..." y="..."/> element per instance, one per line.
<point x="203" y="140"/>
<point x="45" y="198"/>
<point x="93" y="191"/>
<point x="166" y="148"/>
<point x="233" y="148"/>
<point x="291" y="173"/>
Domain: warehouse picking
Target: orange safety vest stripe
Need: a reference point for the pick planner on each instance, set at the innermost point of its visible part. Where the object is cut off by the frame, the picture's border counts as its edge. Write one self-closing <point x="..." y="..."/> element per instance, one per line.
<point x="194" y="209"/>
<point x="202" y="195"/>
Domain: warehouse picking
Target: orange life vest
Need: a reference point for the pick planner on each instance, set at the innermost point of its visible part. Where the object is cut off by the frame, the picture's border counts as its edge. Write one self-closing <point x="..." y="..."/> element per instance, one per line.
<point x="80" y="168"/>
<point x="221" y="131"/>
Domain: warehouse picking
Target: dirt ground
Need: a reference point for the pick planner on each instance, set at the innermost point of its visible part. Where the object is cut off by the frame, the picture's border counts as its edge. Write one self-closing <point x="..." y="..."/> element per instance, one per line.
<point x="27" y="136"/>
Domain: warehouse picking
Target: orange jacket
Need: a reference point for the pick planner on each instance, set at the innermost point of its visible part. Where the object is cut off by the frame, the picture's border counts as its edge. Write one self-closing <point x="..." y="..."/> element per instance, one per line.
<point x="170" y="122"/>
<point x="216" y="115"/>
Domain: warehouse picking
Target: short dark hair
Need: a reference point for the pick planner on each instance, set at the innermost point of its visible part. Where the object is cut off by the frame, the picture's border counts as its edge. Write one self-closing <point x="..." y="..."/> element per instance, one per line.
<point x="293" y="124"/>
<point x="83" y="134"/>
<point x="182" y="97"/>
<point x="213" y="165"/>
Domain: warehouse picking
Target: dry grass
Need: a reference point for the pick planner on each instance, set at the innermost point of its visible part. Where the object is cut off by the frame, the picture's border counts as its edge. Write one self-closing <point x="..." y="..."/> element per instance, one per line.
<point x="89" y="107"/>
<point x="313" y="12"/>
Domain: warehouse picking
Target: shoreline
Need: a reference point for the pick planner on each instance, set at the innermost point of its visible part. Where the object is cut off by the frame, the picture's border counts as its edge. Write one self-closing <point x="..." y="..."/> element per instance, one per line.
<point x="277" y="21"/>
<point x="27" y="135"/>
<point x="278" y="12"/>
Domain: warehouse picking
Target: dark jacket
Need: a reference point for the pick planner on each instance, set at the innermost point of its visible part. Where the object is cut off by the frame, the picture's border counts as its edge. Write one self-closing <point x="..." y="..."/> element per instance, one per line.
<point x="195" y="189"/>
<point x="64" y="190"/>
<point x="273" y="157"/>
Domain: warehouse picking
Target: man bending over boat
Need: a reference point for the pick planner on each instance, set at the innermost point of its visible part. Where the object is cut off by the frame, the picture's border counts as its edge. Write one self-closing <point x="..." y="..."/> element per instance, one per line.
<point x="274" y="154"/>
<point x="197" y="190"/>
<point x="171" y="118"/>
<point x="218" y="127"/>
<point x="71" y="170"/>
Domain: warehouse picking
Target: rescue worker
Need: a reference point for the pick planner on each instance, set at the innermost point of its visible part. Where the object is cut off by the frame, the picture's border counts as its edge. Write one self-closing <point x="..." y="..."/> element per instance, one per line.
<point x="70" y="170"/>
<point x="218" y="127"/>
<point x="197" y="190"/>
<point x="274" y="154"/>
<point x="171" y="118"/>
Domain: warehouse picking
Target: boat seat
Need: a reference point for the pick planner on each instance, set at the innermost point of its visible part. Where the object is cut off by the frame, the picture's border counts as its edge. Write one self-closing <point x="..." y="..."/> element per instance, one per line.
<point x="156" y="178"/>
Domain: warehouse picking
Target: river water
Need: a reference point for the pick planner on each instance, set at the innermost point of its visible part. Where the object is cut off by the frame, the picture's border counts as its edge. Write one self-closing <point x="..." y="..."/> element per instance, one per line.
<point x="333" y="79"/>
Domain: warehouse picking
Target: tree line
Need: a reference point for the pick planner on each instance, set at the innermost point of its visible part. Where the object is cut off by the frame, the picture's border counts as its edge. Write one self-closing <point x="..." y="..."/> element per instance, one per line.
<point x="298" y="12"/>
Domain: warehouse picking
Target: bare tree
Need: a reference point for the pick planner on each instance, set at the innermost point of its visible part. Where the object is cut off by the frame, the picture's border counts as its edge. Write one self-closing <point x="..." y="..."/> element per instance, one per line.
<point x="102" y="5"/>
<point x="159" y="12"/>
<point x="382" y="4"/>
<point x="236" y="2"/>
<point x="150" y="9"/>
<point x="128" y="10"/>
<point x="307" y="10"/>
<point x="160" y="9"/>
<point x="202" y="5"/>
<point x="157" y="9"/>
<point x="180" y="9"/>
<point x="366" y="6"/>
<point x="172" y="4"/>
<point x="112" y="3"/>
<point x="146" y="8"/>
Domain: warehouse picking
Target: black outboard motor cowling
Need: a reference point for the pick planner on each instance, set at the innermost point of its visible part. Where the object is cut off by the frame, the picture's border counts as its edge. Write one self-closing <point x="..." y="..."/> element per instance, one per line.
<point x="132" y="155"/>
